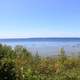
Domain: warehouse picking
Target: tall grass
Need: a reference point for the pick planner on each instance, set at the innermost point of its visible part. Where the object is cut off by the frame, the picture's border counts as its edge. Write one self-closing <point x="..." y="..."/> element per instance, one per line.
<point x="20" y="64"/>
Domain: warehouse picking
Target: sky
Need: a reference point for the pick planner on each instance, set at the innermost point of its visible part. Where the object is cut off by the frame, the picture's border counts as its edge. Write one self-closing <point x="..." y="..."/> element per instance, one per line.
<point x="39" y="18"/>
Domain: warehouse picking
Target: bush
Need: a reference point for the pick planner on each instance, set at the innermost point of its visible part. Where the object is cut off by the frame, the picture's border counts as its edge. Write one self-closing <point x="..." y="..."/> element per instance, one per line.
<point x="7" y="70"/>
<point x="20" y="64"/>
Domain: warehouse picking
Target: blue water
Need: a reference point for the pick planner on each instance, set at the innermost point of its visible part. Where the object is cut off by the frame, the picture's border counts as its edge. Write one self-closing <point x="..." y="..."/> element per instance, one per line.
<point x="46" y="46"/>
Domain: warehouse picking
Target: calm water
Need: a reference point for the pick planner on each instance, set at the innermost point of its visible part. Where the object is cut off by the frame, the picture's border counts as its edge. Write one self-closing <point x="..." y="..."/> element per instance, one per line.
<point x="46" y="46"/>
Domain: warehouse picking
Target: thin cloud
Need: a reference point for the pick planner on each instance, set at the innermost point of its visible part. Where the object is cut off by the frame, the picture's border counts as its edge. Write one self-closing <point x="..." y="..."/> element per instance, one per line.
<point x="41" y="34"/>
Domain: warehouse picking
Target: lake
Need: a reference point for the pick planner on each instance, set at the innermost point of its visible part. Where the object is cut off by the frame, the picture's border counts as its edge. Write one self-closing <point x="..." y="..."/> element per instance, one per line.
<point x="46" y="46"/>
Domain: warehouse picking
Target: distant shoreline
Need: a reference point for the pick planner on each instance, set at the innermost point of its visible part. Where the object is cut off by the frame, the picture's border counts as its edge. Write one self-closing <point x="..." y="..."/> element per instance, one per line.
<point x="63" y="39"/>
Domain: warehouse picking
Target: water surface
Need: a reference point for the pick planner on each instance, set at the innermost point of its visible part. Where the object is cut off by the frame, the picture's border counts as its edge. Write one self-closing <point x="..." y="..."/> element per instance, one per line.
<point x="46" y="46"/>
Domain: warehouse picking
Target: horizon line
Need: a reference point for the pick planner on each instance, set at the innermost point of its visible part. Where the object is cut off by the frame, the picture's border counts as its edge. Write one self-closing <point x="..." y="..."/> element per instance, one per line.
<point x="36" y="37"/>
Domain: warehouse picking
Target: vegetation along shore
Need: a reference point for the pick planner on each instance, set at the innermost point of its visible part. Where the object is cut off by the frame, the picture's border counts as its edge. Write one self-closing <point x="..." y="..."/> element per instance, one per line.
<point x="19" y="64"/>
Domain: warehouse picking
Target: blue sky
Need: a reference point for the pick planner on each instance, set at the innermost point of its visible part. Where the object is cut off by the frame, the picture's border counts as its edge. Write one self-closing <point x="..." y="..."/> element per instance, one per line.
<point x="39" y="18"/>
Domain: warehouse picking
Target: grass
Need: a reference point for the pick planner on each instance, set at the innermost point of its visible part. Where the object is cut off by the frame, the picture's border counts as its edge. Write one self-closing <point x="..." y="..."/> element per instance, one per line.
<point x="20" y="64"/>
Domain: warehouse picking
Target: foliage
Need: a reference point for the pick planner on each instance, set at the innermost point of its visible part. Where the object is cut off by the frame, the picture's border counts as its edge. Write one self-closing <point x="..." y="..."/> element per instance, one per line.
<point x="19" y="64"/>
